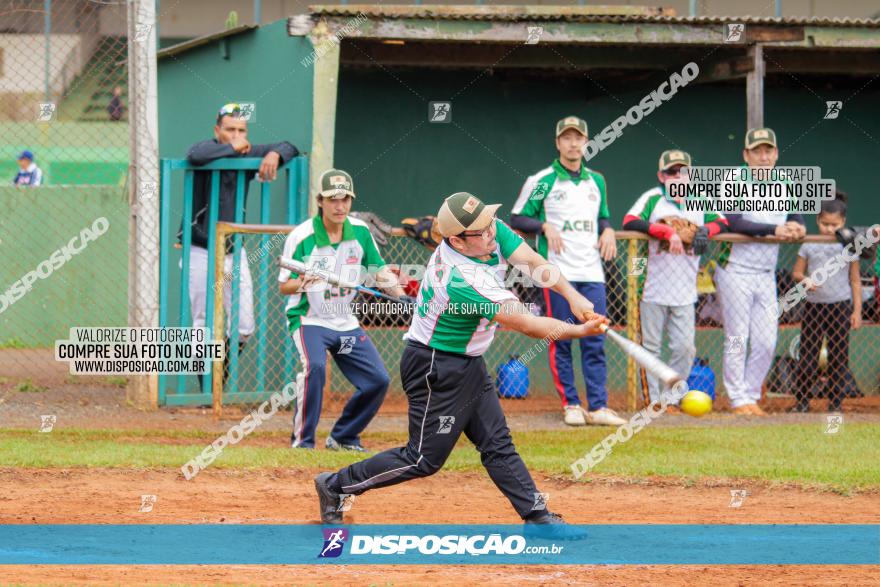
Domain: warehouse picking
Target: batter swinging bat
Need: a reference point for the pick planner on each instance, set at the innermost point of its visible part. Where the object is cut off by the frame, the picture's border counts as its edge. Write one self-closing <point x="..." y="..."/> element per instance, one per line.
<point x="652" y="364"/>
<point x="300" y="267"/>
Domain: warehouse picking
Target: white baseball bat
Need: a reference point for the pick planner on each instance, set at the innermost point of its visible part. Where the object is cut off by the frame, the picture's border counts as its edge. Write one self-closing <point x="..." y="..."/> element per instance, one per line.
<point x="651" y="363"/>
<point x="332" y="279"/>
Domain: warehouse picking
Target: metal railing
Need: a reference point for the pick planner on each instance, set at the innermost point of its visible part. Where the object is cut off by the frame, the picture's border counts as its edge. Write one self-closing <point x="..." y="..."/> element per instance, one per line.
<point x="268" y="364"/>
<point x="296" y="192"/>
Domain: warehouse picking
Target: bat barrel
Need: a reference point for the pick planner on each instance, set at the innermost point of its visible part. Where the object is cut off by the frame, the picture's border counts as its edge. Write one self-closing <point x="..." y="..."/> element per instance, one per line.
<point x="652" y="364"/>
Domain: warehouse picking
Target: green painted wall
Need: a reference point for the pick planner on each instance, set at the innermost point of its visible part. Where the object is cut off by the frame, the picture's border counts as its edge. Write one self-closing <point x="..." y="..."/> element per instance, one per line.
<point x="88" y="290"/>
<point x="69" y="153"/>
<point x="502" y="131"/>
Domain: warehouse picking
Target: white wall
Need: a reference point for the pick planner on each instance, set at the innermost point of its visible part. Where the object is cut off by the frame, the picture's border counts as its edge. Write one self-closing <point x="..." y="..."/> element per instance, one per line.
<point x="24" y="61"/>
<point x="187" y="18"/>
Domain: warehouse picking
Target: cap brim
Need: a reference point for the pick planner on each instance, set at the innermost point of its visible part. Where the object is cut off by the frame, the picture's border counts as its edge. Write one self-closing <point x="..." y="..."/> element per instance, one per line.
<point x="336" y="194"/>
<point x="673" y="164"/>
<point x="761" y="142"/>
<point x="485" y="218"/>
<point x="575" y="127"/>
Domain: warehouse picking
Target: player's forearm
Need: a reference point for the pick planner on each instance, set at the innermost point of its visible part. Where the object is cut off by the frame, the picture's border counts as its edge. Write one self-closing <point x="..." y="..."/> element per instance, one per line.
<point x="543" y="327"/>
<point x="526" y="224"/>
<point x="542" y="270"/>
<point x="284" y="149"/>
<point x="207" y="151"/>
<point x="738" y="224"/>
<point x="855" y="282"/>
<point x="655" y="229"/>
<point x="387" y="280"/>
<point x="291" y="286"/>
<point x="517" y="317"/>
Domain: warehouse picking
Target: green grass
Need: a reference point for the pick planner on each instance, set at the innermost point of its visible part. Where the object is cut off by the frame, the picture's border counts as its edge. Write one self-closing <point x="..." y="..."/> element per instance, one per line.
<point x="799" y="454"/>
<point x="28" y="386"/>
<point x="13" y="343"/>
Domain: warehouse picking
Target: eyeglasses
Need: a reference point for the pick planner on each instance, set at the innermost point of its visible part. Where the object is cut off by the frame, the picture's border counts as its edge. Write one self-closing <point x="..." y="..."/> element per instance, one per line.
<point x="488" y="231"/>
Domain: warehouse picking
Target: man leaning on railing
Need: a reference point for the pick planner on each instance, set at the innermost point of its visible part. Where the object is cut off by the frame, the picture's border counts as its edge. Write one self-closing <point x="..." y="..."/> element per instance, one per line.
<point x="230" y="140"/>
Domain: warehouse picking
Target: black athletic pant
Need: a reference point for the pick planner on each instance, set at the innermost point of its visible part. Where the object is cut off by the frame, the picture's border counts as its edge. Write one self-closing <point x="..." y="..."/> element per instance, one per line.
<point x="448" y="394"/>
<point x="817" y="322"/>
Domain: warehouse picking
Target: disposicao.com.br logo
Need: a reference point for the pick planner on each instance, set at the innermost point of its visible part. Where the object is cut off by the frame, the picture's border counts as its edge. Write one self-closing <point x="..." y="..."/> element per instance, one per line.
<point x="452" y="544"/>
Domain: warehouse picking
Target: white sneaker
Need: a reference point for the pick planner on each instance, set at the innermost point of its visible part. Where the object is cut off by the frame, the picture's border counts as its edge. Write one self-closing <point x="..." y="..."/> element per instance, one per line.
<point x="605" y="417"/>
<point x="574" y="416"/>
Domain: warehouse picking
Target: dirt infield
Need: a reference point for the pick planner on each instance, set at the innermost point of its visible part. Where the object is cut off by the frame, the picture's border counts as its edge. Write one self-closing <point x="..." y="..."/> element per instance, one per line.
<point x="106" y="496"/>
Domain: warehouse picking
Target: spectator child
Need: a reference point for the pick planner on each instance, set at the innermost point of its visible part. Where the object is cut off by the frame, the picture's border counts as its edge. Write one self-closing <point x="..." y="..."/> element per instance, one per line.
<point x="832" y="307"/>
<point x="28" y="172"/>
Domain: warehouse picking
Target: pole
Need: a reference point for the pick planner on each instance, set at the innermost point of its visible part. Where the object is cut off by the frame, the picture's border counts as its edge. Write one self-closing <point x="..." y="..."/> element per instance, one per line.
<point x="47" y="28"/>
<point x="258" y="11"/>
<point x="755" y="87"/>
<point x="143" y="281"/>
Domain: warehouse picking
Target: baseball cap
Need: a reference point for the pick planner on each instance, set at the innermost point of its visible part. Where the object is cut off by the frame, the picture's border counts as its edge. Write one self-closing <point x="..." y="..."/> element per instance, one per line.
<point x="336" y="183"/>
<point x="26" y="155"/>
<point x="574" y="122"/>
<point x="760" y="136"/>
<point x="674" y="157"/>
<point x="463" y="211"/>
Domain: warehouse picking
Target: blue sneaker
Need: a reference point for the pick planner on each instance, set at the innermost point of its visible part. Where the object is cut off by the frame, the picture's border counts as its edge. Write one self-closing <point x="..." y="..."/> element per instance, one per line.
<point x="331" y="444"/>
<point x="548" y="525"/>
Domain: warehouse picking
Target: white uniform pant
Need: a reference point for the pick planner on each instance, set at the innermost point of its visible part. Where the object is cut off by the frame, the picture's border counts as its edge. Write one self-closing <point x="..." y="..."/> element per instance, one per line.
<point x="748" y="304"/>
<point x="198" y="276"/>
<point x="678" y="321"/>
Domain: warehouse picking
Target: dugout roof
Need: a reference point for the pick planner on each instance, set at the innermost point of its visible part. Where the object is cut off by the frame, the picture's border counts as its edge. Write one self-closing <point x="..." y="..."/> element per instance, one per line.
<point x="616" y="47"/>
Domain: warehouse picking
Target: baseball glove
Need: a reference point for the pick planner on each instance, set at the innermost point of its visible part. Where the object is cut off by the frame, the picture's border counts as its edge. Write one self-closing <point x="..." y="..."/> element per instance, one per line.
<point x="424" y="230"/>
<point x="685" y="229"/>
<point x="378" y="227"/>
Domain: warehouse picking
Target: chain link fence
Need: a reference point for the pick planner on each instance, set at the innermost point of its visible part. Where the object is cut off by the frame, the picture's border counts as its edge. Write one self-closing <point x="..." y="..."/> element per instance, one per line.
<point x="78" y="179"/>
<point x="273" y="359"/>
<point x="64" y="96"/>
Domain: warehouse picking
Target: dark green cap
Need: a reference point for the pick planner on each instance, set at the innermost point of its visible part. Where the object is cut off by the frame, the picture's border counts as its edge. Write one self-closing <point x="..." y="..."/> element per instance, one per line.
<point x="336" y="183"/>
<point x="463" y="211"/>
<point x="574" y="122"/>
<point x="674" y="157"/>
<point x="760" y="136"/>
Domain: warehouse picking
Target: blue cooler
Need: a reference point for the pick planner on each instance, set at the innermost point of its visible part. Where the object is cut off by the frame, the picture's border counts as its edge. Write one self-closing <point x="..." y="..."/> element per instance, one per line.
<point x="512" y="381"/>
<point x="702" y="377"/>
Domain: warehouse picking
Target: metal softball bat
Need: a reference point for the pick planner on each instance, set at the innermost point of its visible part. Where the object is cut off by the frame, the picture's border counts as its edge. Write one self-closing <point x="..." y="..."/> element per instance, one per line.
<point x="652" y="364"/>
<point x="300" y="267"/>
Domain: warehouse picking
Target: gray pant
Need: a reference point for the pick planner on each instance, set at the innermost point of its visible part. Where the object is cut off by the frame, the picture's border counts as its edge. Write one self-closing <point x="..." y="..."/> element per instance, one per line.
<point x="679" y="322"/>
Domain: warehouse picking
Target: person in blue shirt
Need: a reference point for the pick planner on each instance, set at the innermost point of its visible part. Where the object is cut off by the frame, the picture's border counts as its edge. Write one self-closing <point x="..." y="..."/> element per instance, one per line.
<point x="28" y="172"/>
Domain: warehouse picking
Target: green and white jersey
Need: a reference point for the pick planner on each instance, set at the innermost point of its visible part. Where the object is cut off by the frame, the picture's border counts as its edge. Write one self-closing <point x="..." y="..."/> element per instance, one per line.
<point x="671" y="279"/>
<point x="573" y="206"/>
<point x="329" y="306"/>
<point x="459" y="297"/>
<point x="753" y="257"/>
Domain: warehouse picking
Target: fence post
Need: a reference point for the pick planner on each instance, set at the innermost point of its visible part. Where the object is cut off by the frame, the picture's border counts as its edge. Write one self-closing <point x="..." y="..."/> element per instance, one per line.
<point x="143" y="282"/>
<point x="632" y="370"/>
<point x="218" y="331"/>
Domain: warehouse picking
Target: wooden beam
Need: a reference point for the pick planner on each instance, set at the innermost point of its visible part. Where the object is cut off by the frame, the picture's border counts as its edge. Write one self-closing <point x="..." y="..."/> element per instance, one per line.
<point x="325" y="84"/>
<point x="509" y="56"/>
<point x="769" y="34"/>
<point x="755" y="87"/>
<point x="821" y="61"/>
<point x="730" y="69"/>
